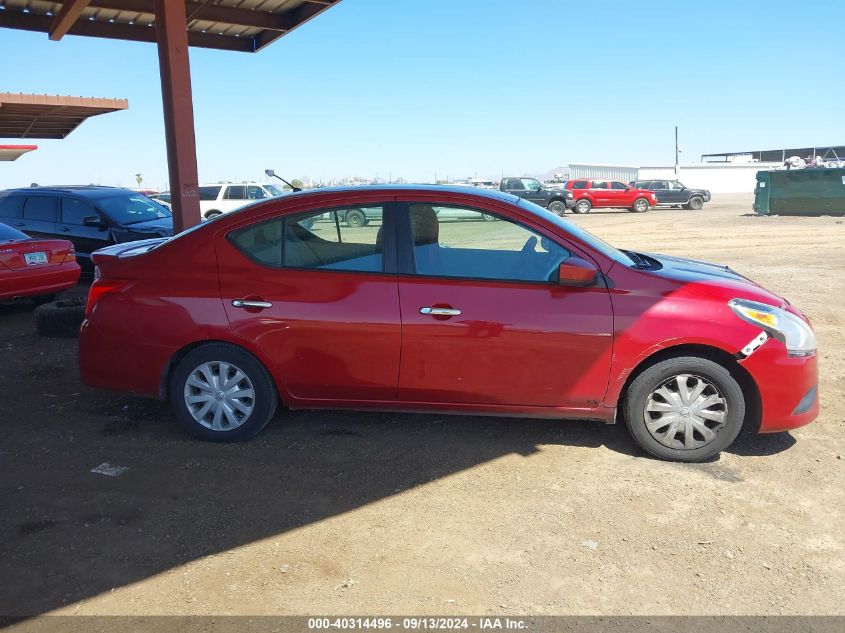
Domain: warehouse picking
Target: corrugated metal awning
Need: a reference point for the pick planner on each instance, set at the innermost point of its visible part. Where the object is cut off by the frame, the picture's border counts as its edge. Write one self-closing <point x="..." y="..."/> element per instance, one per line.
<point x="49" y="116"/>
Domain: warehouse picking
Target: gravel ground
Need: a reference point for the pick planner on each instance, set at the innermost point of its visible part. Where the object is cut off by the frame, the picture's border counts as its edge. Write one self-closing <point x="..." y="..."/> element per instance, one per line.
<point x="361" y="513"/>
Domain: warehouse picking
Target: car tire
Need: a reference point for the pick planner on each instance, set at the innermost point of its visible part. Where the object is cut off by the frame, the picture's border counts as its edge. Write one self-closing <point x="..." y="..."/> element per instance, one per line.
<point x="60" y="319"/>
<point x="640" y="205"/>
<point x="558" y="207"/>
<point x="355" y="219"/>
<point x="645" y="408"/>
<point x="582" y="206"/>
<point x="213" y="214"/>
<point x="695" y="204"/>
<point x="249" y="415"/>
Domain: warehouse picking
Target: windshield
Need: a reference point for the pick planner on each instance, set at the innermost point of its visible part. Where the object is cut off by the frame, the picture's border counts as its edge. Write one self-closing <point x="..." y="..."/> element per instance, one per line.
<point x="275" y="191"/>
<point x="131" y="208"/>
<point x="8" y="234"/>
<point x="573" y="229"/>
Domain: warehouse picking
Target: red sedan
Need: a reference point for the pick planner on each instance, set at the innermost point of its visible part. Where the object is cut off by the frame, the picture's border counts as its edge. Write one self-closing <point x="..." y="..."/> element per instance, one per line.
<point x="447" y="300"/>
<point x="35" y="268"/>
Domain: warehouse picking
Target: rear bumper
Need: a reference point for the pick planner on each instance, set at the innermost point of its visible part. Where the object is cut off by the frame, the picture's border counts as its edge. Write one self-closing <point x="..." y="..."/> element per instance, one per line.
<point x="31" y="282"/>
<point x="788" y="387"/>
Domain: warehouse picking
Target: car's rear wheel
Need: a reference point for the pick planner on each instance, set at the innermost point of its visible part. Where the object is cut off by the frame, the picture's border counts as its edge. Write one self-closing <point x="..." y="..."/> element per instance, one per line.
<point x="695" y="204"/>
<point x="582" y="206"/>
<point x="557" y="207"/>
<point x="640" y="206"/>
<point x="685" y="409"/>
<point x="213" y="214"/>
<point x="221" y="393"/>
<point x="355" y="219"/>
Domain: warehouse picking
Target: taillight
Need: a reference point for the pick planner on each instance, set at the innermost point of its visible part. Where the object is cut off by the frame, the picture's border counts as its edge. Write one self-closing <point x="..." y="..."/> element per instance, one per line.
<point x="70" y="256"/>
<point x="101" y="287"/>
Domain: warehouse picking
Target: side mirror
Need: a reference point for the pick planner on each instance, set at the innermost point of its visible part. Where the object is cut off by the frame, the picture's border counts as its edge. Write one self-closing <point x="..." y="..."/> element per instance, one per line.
<point x="575" y="271"/>
<point x="93" y="221"/>
<point x="270" y="173"/>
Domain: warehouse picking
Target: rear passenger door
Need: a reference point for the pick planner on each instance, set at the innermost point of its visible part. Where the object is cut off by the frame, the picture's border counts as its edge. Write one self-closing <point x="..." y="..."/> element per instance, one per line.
<point x="71" y="225"/>
<point x="39" y="216"/>
<point x="601" y="193"/>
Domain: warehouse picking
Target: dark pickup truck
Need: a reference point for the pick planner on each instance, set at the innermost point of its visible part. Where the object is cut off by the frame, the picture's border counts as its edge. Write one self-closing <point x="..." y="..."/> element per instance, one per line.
<point x="555" y="200"/>
<point x="671" y="192"/>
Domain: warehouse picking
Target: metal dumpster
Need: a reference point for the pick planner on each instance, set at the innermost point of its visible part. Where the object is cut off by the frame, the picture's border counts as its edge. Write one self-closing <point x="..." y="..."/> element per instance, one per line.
<point x="812" y="191"/>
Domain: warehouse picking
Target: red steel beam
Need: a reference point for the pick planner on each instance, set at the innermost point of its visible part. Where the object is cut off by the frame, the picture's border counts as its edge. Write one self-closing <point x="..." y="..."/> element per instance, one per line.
<point x="66" y="17"/>
<point x="172" y="39"/>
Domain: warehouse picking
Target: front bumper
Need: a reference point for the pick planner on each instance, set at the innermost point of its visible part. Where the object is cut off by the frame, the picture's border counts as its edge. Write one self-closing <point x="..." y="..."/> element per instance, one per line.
<point x="570" y="203"/>
<point x="788" y="387"/>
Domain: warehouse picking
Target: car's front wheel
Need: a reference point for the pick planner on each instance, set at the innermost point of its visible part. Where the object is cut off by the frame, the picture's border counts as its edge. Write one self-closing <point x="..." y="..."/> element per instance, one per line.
<point x="640" y="205"/>
<point x="685" y="409"/>
<point x="695" y="204"/>
<point x="558" y="207"/>
<point x="221" y="393"/>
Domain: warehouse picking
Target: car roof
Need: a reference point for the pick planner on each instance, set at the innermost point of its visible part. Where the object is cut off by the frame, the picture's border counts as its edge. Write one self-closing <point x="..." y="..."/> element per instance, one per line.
<point x="79" y="190"/>
<point x="494" y="194"/>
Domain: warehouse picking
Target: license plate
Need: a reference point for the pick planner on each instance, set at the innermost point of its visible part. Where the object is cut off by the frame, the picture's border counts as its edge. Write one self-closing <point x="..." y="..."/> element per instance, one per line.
<point x="32" y="259"/>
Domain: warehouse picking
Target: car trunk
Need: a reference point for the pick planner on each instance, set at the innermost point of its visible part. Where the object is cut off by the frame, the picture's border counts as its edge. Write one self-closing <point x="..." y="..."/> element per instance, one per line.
<point x="34" y="254"/>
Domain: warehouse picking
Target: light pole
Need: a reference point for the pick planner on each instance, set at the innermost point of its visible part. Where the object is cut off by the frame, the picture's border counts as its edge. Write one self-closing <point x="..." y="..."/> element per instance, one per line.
<point x="676" y="151"/>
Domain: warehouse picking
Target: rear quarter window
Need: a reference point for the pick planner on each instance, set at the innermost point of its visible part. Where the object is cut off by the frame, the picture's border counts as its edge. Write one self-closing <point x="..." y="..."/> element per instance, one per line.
<point x="11" y="206"/>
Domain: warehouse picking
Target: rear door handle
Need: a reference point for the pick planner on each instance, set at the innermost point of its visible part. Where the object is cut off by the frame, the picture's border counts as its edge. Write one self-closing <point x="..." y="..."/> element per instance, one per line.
<point x="440" y="311"/>
<point x="244" y="303"/>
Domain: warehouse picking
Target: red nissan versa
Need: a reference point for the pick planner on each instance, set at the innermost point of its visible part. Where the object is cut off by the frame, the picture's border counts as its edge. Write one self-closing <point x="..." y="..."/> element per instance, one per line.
<point x="450" y="300"/>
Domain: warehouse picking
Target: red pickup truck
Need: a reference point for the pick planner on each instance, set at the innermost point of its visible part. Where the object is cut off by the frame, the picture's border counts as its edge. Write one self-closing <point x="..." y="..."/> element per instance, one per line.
<point x="604" y="194"/>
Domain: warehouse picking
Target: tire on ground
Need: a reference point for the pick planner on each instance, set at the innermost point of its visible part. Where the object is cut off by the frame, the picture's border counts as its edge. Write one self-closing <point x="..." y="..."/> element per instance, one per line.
<point x="60" y="319"/>
<point x="695" y="203"/>
<point x="636" y="398"/>
<point x="640" y="205"/>
<point x="582" y="206"/>
<point x="558" y="207"/>
<point x="265" y="400"/>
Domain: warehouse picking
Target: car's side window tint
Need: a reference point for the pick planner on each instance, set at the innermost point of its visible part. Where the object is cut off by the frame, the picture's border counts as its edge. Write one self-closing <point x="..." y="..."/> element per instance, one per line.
<point x="235" y="192"/>
<point x="617" y="185"/>
<point x="11" y="206"/>
<point x="453" y="241"/>
<point x="75" y="211"/>
<point x="208" y="193"/>
<point x="579" y="184"/>
<point x="261" y="242"/>
<point x="42" y="208"/>
<point x="255" y="193"/>
<point x="348" y="239"/>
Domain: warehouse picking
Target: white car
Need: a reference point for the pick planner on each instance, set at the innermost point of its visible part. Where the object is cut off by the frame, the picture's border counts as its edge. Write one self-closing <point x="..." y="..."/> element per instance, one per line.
<point x="220" y="198"/>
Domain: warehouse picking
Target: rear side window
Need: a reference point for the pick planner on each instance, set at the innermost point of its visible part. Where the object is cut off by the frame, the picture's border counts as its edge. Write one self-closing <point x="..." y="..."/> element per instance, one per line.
<point x="579" y="184"/>
<point x="599" y="184"/>
<point x="207" y="193"/>
<point x="41" y="208"/>
<point x="235" y="192"/>
<point x="11" y="206"/>
<point x="261" y="242"/>
<point x="75" y="211"/>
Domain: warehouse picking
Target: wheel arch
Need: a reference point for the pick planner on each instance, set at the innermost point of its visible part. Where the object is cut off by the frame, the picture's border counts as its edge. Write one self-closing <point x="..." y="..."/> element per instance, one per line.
<point x="753" y="403"/>
<point x="178" y="355"/>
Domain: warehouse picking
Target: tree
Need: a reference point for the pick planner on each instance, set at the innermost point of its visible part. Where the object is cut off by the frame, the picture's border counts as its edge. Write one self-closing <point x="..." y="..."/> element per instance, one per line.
<point x="297" y="183"/>
<point x="139" y="179"/>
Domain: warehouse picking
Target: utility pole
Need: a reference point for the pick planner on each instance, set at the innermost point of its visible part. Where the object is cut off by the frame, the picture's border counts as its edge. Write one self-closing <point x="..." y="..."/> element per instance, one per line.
<point x="676" y="151"/>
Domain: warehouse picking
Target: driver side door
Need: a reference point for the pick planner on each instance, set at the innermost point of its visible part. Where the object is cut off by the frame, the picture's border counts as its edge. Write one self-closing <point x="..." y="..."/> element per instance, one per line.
<point x="484" y="320"/>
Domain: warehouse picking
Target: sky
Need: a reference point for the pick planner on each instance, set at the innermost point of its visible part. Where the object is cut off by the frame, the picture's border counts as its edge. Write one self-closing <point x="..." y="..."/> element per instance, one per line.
<point x="446" y="88"/>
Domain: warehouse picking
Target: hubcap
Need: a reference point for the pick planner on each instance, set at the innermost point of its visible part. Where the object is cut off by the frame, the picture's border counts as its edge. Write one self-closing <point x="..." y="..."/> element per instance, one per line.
<point x="685" y="412"/>
<point x="219" y="396"/>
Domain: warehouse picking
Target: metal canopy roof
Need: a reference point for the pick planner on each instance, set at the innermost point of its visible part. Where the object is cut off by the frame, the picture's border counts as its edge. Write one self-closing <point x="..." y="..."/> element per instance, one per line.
<point x="238" y="25"/>
<point x="14" y="152"/>
<point x="48" y="116"/>
<point x="836" y="152"/>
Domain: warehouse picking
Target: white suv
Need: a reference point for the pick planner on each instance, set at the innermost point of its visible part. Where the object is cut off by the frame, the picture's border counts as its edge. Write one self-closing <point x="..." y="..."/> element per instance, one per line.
<point x="221" y="198"/>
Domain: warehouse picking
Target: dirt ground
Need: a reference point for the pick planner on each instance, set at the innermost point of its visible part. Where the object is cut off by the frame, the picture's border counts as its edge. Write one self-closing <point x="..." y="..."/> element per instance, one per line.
<point x="359" y="513"/>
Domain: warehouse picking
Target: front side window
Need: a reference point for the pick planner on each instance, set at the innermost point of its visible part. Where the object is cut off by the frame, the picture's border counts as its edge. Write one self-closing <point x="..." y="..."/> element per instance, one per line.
<point x="499" y="249"/>
<point x="616" y="185"/>
<point x="41" y="208"/>
<point x="75" y="211"/>
<point x="675" y="185"/>
<point x="209" y="193"/>
<point x="255" y="193"/>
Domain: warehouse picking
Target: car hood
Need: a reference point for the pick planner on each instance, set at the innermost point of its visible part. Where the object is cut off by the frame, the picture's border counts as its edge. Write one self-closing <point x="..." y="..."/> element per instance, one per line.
<point x="159" y="227"/>
<point x="694" y="271"/>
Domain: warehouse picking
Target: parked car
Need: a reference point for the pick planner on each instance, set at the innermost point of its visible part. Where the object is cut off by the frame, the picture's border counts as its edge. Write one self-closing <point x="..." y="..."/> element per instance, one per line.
<point x="34" y="268"/>
<point x="608" y="194"/>
<point x="529" y="316"/>
<point x="219" y="198"/>
<point x="91" y="217"/>
<point x="555" y="200"/>
<point x="672" y="192"/>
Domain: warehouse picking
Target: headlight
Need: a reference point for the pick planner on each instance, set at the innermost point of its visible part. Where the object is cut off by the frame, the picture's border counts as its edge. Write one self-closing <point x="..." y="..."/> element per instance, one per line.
<point x="795" y="333"/>
<point x="569" y="194"/>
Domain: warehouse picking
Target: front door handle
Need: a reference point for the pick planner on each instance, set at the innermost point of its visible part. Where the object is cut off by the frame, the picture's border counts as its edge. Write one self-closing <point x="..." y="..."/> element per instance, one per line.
<point x="244" y="303"/>
<point x="440" y="311"/>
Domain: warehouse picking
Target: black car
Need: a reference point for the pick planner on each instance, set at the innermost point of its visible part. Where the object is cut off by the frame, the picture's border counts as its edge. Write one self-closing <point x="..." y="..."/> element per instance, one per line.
<point x="672" y="192"/>
<point x="91" y="217"/>
<point x="555" y="200"/>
